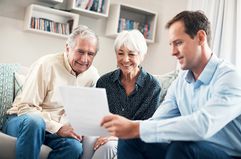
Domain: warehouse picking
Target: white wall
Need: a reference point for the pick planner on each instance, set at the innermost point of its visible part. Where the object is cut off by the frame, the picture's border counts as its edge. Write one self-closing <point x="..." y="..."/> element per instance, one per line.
<point x="24" y="47"/>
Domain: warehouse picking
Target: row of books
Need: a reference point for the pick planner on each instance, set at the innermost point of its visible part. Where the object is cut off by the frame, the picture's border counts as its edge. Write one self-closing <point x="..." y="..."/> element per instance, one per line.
<point x="128" y="24"/>
<point x="93" y="5"/>
<point x="50" y="26"/>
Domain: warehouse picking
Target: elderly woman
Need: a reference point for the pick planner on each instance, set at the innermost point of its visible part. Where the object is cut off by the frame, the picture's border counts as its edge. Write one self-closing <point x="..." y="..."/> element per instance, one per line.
<point x="131" y="91"/>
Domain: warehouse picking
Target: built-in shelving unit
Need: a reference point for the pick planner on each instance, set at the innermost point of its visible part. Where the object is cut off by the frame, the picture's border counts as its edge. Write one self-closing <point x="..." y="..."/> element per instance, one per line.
<point x="49" y="21"/>
<point x="127" y="17"/>
<point x="52" y="1"/>
<point x="91" y="8"/>
<point x="58" y="1"/>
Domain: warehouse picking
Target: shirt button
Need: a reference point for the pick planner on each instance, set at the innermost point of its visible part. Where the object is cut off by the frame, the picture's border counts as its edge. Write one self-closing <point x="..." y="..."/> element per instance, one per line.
<point x="122" y="109"/>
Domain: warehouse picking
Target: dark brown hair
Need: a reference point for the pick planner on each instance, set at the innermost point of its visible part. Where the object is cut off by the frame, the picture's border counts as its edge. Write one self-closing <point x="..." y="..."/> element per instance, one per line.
<point x="193" y="22"/>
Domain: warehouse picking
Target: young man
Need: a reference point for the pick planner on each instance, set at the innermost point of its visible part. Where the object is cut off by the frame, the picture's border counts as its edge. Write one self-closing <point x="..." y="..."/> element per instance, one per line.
<point x="201" y="114"/>
<point x="37" y="116"/>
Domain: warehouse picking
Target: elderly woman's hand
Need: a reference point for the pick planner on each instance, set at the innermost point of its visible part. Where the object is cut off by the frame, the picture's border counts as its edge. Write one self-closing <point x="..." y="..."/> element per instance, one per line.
<point x="102" y="140"/>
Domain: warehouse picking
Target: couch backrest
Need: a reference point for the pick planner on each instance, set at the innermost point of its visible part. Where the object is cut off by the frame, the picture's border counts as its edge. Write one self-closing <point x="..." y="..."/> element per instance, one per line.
<point x="7" y="89"/>
<point x="165" y="81"/>
<point x="12" y="77"/>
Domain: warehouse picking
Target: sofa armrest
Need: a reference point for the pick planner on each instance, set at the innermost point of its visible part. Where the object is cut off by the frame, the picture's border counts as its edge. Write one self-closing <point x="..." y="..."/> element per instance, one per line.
<point x="7" y="147"/>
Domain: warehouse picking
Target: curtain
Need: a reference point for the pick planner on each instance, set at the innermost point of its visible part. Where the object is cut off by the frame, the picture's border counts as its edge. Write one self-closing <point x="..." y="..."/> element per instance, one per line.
<point x="225" y="18"/>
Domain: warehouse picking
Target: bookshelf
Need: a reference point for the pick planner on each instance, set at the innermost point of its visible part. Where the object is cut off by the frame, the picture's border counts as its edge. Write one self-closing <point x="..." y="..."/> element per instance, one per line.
<point x="57" y="1"/>
<point x="127" y="17"/>
<point x="40" y="19"/>
<point x="52" y="1"/>
<point x="91" y="8"/>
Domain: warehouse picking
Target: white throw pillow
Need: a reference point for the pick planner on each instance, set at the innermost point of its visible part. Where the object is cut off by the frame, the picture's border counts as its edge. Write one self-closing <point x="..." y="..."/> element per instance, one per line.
<point x="20" y="76"/>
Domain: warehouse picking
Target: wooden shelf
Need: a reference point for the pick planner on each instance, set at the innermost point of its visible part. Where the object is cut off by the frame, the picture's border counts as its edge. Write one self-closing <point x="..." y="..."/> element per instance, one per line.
<point x="52" y="1"/>
<point x="127" y="17"/>
<point x="49" y="21"/>
<point x="86" y="8"/>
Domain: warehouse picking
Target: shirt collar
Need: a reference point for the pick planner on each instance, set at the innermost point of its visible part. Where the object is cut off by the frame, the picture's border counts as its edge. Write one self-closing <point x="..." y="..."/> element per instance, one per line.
<point x="208" y="72"/>
<point x="67" y="65"/>
<point x="116" y="75"/>
<point x="140" y="80"/>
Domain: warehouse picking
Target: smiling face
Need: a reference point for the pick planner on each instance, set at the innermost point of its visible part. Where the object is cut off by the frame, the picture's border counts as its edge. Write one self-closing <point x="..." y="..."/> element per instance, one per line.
<point x="187" y="50"/>
<point x="81" y="56"/>
<point x="128" y="60"/>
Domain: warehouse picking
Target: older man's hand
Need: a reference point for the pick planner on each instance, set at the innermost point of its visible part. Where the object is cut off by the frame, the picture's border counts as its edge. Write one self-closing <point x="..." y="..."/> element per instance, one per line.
<point x="68" y="131"/>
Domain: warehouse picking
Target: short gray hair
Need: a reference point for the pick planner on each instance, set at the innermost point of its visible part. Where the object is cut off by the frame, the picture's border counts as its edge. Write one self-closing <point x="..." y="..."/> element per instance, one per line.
<point x="133" y="40"/>
<point x="83" y="32"/>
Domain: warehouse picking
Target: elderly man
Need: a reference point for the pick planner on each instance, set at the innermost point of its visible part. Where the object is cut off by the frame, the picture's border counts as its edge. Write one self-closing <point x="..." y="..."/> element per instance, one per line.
<point x="37" y="116"/>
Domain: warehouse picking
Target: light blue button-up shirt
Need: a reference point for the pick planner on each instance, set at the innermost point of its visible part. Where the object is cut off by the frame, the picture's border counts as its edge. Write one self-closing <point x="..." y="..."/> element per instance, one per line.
<point x="206" y="109"/>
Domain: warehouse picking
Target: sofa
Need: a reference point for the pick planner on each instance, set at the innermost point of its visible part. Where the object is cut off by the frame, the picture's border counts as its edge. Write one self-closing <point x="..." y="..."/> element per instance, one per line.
<point x="11" y="79"/>
<point x="10" y="84"/>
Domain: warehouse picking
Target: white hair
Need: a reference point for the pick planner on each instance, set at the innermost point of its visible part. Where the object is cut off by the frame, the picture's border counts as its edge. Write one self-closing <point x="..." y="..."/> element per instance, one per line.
<point x="83" y="32"/>
<point x="132" y="40"/>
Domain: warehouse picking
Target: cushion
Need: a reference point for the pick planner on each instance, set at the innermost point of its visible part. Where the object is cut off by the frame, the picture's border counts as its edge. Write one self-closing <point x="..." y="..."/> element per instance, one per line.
<point x="19" y="78"/>
<point x="6" y="88"/>
<point x="165" y="81"/>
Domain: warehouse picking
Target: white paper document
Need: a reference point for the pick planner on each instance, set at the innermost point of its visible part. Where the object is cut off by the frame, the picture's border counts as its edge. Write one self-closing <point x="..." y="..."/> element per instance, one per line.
<point x="85" y="107"/>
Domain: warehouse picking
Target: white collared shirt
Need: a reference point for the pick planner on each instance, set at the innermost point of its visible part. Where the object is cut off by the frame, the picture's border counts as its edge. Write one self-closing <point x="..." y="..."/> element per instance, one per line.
<point x="40" y="91"/>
